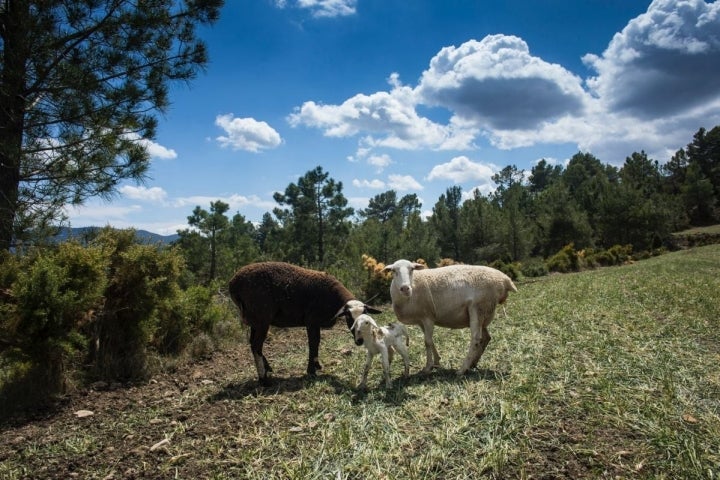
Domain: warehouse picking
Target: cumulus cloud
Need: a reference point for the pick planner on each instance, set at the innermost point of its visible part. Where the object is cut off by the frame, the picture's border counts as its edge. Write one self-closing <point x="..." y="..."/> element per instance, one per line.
<point x="380" y="162"/>
<point x="664" y="62"/>
<point x="246" y="134"/>
<point x="374" y="184"/>
<point x="159" y="151"/>
<point x="654" y="85"/>
<point x="403" y="182"/>
<point x="461" y="170"/>
<point x="153" y="194"/>
<point x="390" y="119"/>
<point x="498" y="83"/>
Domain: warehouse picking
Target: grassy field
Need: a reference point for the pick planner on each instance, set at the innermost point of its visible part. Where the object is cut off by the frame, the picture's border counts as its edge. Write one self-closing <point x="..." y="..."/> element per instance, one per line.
<point x="612" y="373"/>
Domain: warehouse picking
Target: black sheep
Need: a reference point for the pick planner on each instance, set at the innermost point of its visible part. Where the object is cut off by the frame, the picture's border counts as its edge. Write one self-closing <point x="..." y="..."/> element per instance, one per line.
<point x="285" y="295"/>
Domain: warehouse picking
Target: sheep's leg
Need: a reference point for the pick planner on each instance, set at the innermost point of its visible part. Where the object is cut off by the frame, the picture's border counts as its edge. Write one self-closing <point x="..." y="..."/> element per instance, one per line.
<point x="385" y="355"/>
<point x="257" y="339"/>
<point x="431" y="353"/>
<point x="313" y="334"/>
<point x="366" y="369"/>
<point x="479" y="337"/>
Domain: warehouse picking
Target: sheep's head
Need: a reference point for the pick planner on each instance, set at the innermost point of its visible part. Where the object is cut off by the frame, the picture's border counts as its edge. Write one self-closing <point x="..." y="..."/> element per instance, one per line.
<point x="403" y="275"/>
<point x="352" y="310"/>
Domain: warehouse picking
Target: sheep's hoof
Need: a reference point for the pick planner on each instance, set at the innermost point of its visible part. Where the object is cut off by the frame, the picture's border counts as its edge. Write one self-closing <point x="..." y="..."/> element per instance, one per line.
<point x="264" y="381"/>
<point x="461" y="372"/>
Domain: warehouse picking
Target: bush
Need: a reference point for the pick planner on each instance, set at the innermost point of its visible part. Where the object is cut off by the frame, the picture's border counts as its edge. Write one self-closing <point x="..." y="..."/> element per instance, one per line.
<point x="378" y="282"/>
<point x="615" y="255"/>
<point x="534" y="267"/>
<point x="193" y="312"/>
<point x="511" y="269"/>
<point x="142" y="278"/>
<point x="566" y="260"/>
<point x="46" y="297"/>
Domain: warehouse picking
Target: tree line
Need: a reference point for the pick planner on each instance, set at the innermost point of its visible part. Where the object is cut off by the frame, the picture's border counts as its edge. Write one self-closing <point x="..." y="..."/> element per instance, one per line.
<point x="530" y="215"/>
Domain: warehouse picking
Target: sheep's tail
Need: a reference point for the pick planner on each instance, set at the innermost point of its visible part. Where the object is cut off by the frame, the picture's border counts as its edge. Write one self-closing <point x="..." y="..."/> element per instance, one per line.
<point x="238" y="302"/>
<point x="509" y="287"/>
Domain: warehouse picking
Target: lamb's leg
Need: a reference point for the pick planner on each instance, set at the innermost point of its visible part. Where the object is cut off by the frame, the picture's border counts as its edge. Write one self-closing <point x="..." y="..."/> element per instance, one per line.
<point x="366" y="369"/>
<point x="313" y="334"/>
<point x="431" y="353"/>
<point x="257" y="338"/>
<point x="479" y="337"/>
<point x="403" y="350"/>
<point x="385" y="355"/>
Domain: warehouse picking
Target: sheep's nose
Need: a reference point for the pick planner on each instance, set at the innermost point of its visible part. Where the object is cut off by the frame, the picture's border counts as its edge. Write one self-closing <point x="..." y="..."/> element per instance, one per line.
<point x="405" y="289"/>
<point x="358" y="341"/>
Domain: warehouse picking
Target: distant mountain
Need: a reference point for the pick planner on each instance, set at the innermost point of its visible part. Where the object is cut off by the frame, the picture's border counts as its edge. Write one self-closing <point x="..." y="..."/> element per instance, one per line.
<point x="143" y="235"/>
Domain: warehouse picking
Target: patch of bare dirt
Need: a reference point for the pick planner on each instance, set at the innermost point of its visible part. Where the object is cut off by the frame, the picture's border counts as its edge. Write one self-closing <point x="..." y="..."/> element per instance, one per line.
<point x="126" y="431"/>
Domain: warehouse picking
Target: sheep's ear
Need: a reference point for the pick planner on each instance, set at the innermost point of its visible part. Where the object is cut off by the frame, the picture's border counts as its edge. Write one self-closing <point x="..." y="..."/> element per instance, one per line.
<point x="388" y="268"/>
<point x="418" y="266"/>
<point x="369" y="309"/>
<point x="343" y="311"/>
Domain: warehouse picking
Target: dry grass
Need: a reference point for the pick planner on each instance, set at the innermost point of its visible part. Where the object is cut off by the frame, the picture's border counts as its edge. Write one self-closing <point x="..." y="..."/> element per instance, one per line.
<point x="613" y="373"/>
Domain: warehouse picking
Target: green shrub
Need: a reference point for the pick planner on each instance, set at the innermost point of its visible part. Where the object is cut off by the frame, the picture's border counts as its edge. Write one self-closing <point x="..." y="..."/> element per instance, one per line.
<point x="510" y="269"/>
<point x="141" y="279"/>
<point x="194" y="311"/>
<point x="534" y="267"/>
<point x="566" y="260"/>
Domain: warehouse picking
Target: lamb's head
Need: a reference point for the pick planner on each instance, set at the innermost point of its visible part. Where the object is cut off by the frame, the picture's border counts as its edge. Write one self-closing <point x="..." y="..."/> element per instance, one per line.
<point x="403" y="275"/>
<point x="363" y="326"/>
<point x="352" y="310"/>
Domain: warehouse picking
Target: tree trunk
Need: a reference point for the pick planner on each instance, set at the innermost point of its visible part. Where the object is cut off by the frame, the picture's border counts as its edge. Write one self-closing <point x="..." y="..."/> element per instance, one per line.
<point x="12" y="113"/>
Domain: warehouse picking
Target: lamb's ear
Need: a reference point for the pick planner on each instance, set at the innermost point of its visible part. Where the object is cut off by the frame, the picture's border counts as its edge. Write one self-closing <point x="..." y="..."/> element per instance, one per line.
<point x="418" y="266"/>
<point x="388" y="268"/>
<point x="369" y="309"/>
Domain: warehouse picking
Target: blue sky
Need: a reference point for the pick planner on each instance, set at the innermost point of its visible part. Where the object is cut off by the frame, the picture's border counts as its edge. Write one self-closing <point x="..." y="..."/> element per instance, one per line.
<point x="418" y="96"/>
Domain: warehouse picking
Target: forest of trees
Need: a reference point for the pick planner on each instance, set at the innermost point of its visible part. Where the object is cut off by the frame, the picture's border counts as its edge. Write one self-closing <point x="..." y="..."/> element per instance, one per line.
<point x="529" y="217"/>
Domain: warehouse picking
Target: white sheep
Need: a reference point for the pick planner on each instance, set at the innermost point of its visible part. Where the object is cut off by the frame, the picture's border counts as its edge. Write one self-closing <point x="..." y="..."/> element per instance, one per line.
<point x="383" y="341"/>
<point x="455" y="296"/>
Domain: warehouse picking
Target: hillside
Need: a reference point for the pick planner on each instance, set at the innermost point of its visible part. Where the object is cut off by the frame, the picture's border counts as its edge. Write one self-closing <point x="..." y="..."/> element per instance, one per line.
<point x="67" y="233"/>
<point x="612" y="373"/>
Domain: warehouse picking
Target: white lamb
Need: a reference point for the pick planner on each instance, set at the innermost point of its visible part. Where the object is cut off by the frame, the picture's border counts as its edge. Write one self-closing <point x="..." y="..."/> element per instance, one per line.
<point x="455" y="296"/>
<point x="383" y="341"/>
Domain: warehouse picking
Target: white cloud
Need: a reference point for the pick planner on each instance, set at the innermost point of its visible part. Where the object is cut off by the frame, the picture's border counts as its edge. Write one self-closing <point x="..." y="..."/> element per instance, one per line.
<point x="101" y="214"/>
<point x="329" y="8"/>
<point x="235" y="201"/>
<point x="246" y="134"/>
<point x="322" y="8"/>
<point x="497" y="83"/>
<point x="656" y="83"/>
<point x="153" y="194"/>
<point x="461" y="170"/>
<point x="374" y="184"/>
<point x="158" y="151"/>
<point x="380" y="162"/>
<point x="403" y="182"/>
<point x="389" y="118"/>
<point x="664" y="62"/>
